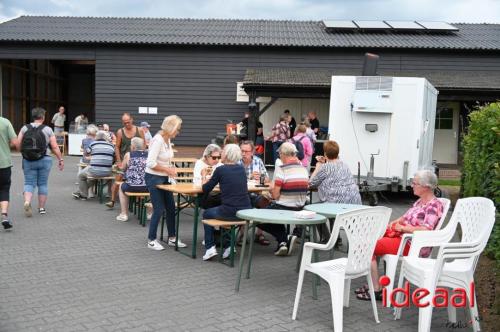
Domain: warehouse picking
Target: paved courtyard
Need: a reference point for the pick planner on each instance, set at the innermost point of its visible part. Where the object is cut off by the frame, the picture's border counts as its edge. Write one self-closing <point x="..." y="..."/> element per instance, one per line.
<point x="78" y="269"/>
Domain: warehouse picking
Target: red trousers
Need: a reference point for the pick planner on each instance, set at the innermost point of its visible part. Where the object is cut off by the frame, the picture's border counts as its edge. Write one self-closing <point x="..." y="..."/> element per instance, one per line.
<point x="390" y="245"/>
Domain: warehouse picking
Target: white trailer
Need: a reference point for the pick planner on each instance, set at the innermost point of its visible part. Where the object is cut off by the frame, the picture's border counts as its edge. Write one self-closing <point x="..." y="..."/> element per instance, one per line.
<point x="384" y="127"/>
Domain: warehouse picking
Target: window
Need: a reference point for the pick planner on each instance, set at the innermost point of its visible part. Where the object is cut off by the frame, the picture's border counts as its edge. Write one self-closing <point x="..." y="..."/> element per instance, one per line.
<point x="444" y="118"/>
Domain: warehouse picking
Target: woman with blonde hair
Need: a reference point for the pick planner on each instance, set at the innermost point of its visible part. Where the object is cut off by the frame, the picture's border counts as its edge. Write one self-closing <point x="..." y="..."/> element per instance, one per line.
<point x="161" y="170"/>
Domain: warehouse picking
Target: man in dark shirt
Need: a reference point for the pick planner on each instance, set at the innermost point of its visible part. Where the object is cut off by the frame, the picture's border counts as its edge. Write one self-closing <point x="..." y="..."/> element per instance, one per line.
<point x="291" y="122"/>
<point x="313" y="120"/>
<point x="258" y="128"/>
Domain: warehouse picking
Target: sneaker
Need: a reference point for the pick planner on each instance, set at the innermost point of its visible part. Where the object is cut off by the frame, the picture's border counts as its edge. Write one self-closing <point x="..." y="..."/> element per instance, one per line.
<point x="27" y="209"/>
<point x="110" y="204"/>
<point x="292" y="239"/>
<point x="155" y="245"/>
<point x="42" y="211"/>
<point x="6" y="223"/>
<point x="210" y="253"/>
<point x="227" y="252"/>
<point x="79" y="196"/>
<point x="282" y="250"/>
<point x="122" y="217"/>
<point x="180" y="244"/>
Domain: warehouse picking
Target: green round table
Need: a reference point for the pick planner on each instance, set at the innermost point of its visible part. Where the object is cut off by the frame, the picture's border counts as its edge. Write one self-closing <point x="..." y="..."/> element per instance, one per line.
<point x="330" y="210"/>
<point x="269" y="216"/>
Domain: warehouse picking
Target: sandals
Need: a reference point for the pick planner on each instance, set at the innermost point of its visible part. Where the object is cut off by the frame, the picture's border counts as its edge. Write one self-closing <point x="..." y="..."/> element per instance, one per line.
<point x="262" y="240"/>
<point x="366" y="296"/>
<point x="361" y="290"/>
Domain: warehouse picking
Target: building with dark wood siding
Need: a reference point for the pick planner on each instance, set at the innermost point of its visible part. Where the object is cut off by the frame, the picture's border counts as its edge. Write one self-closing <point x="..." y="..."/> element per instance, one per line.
<point x="107" y="66"/>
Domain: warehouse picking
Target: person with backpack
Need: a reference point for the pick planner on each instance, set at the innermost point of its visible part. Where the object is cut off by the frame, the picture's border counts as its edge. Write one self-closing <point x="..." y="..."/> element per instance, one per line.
<point x="36" y="139"/>
<point x="8" y="138"/>
<point x="303" y="145"/>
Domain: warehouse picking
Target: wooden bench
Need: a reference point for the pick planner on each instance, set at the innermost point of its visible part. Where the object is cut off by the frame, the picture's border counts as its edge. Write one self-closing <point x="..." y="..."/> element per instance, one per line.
<point x="226" y="227"/>
<point x="100" y="183"/>
<point x="137" y="205"/>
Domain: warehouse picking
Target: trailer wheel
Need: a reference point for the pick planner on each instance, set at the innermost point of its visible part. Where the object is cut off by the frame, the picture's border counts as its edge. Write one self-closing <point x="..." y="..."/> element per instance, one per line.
<point x="372" y="199"/>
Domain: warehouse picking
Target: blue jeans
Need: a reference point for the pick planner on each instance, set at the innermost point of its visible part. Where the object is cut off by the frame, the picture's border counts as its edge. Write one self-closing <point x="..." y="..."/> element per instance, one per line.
<point x="36" y="174"/>
<point x="213" y="213"/>
<point x="162" y="200"/>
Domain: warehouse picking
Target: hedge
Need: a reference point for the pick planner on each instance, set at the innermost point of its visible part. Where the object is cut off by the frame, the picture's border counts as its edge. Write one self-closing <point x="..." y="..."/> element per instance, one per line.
<point x="481" y="168"/>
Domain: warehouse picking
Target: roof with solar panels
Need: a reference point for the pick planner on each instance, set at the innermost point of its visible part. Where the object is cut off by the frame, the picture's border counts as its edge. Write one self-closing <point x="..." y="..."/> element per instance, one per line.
<point x="263" y="33"/>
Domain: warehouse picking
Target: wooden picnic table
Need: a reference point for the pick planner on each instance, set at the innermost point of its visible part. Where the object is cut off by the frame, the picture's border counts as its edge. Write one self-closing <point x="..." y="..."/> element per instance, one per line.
<point x="192" y="195"/>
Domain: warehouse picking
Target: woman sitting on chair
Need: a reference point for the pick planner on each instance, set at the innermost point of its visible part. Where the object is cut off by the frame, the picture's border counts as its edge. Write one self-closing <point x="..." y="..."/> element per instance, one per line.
<point x="232" y="179"/>
<point x="333" y="178"/>
<point x="424" y="215"/>
<point x="134" y="165"/>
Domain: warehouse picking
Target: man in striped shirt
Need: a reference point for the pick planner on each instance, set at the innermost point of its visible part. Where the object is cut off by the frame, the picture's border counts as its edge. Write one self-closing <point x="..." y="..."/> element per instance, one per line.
<point x="291" y="182"/>
<point x="102" y="155"/>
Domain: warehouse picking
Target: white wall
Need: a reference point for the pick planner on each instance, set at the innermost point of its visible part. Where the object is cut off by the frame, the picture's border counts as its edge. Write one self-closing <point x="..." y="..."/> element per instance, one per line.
<point x="297" y="108"/>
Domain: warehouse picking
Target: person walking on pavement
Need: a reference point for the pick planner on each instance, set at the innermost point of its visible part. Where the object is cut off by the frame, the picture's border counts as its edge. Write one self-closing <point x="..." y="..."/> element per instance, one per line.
<point x="8" y="139"/>
<point x="35" y="141"/>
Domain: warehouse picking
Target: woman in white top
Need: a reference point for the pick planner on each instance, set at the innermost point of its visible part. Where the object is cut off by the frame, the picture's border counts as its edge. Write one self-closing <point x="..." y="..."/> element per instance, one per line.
<point x="160" y="170"/>
<point x="211" y="158"/>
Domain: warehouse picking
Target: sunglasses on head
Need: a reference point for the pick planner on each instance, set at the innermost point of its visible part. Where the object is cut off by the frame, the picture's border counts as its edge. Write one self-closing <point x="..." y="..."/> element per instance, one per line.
<point x="215" y="157"/>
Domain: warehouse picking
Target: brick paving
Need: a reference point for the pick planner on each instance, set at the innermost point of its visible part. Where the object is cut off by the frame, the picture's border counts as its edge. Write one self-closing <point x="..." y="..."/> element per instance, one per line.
<point x="78" y="269"/>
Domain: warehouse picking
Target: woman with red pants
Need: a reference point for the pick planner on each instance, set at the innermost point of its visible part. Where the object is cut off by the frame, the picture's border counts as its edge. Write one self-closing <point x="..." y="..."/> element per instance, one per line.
<point x="424" y="215"/>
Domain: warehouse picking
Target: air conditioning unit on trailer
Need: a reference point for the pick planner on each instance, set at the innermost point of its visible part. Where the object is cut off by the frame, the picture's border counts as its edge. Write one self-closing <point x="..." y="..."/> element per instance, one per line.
<point x="384" y="124"/>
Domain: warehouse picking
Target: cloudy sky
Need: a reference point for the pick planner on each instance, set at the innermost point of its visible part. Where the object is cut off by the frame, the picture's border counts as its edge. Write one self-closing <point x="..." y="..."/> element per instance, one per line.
<point x="452" y="11"/>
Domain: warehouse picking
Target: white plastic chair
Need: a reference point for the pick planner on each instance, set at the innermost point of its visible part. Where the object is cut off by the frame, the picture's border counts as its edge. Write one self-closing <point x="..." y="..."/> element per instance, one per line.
<point x="391" y="261"/>
<point x="476" y="216"/>
<point x="363" y="228"/>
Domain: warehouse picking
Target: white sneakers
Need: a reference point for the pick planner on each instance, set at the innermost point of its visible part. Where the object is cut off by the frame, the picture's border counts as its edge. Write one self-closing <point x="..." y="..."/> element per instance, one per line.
<point x="227" y="252"/>
<point x="180" y="244"/>
<point x="210" y="253"/>
<point x="155" y="245"/>
<point x="122" y="217"/>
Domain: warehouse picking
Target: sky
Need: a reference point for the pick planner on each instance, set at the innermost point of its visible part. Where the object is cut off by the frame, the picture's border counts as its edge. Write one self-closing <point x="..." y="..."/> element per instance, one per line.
<point x="451" y="11"/>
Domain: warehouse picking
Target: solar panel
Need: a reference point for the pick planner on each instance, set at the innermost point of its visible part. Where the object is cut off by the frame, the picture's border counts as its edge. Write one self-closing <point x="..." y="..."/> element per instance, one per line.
<point x="378" y="25"/>
<point x="339" y="24"/>
<point x="405" y="25"/>
<point x="429" y="25"/>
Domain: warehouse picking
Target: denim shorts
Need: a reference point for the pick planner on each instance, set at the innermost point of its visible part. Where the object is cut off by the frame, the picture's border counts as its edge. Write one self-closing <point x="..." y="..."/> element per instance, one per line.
<point x="36" y="174"/>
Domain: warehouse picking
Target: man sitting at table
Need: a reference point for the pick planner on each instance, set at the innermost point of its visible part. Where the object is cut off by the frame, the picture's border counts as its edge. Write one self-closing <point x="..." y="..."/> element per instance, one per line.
<point x="101" y="160"/>
<point x="254" y="167"/>
<point x="289" y="192"/>
<point x="234" y="195"/>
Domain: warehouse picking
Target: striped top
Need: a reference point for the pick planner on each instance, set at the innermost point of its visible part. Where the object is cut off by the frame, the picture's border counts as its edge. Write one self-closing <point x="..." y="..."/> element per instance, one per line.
<point x="292" y="178"/>
<point x="101" y="158"/>
<point x="160" y="153"/>
<point x="335" y="183"/>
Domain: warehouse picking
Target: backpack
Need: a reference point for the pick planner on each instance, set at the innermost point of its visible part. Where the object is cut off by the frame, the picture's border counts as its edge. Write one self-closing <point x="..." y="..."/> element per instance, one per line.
<point x="34" y="144"/>
<point x="299" y="147"/>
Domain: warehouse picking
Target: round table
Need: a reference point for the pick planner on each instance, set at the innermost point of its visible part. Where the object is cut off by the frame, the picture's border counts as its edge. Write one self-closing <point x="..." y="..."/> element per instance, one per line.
<point x="269" y="216"/>
<point x="330" y="210"/>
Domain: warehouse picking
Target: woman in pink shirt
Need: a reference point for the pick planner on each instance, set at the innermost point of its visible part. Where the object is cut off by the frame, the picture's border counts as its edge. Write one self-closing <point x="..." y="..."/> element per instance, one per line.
<point x="300" y="135"/>
<point x="424" y="215"/>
